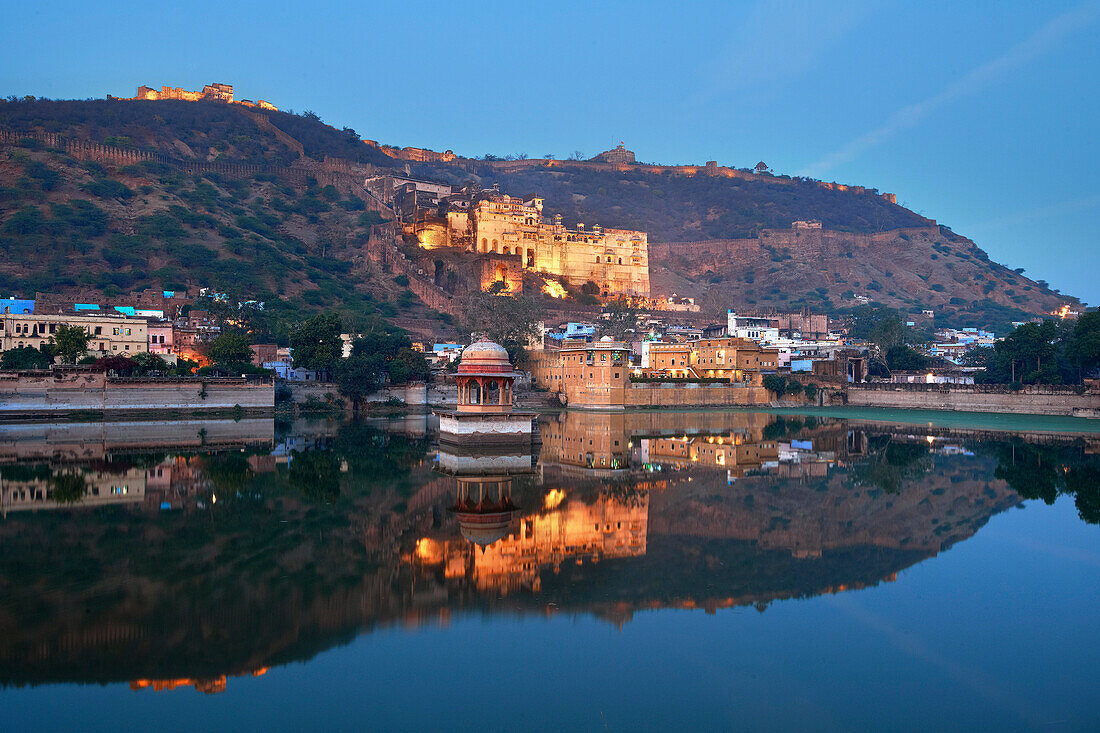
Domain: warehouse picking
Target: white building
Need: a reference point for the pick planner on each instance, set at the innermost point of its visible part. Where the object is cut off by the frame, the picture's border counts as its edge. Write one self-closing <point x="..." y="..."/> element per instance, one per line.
<point x="760" y="330"/>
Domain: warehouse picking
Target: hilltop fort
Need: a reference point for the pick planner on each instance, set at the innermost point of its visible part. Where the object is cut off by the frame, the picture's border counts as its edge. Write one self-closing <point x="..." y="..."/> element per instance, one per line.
<point x="214" y="92"/>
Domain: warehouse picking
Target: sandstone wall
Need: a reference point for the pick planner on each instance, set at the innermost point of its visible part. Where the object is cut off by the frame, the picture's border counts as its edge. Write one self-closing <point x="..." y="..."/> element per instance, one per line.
<point x="1032" y="400"/>
<point x="414" y="393"/>
<point x="60" y="392"/>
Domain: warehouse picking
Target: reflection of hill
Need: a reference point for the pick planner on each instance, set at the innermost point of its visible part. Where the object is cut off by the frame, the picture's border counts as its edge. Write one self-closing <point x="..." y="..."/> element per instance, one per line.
<point x="807" y="517"/>
<point x="272" y="577"/>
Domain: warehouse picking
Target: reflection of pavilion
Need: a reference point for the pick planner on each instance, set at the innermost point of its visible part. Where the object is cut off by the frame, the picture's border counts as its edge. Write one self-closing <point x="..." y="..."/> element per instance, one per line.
<point x="484" y="411"/>
<point x="484" y="508"/>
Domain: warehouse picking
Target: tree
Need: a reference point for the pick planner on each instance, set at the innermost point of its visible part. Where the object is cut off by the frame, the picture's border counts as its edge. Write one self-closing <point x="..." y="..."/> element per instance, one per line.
<point x="1027" y="355"/>
<point x="230" y="348"/>
<point x="68" y="488"/>
<point x="509" y="321"/>
<point x="358" y="376"/>
<point x="905" y="358"/>
<point x="316" y="343"/>
<point x="775" y="383"/>
<point x="27" y="357"/>
<point x="71" y="342"/>
<point x="148" y="363"/>
<point x="1084" y="349"/>
<point x="316" y="474"/>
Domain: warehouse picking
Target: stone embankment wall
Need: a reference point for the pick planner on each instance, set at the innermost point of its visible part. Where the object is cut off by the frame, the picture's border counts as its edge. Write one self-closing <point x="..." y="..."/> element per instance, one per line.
<point x="58" y="392"/>
<point x="77" y="441"/>
<point x="656" y="394"/>
<point x="413" y="394"/>
<point x="691" y="395"/>
<point x="1031" y="400"/>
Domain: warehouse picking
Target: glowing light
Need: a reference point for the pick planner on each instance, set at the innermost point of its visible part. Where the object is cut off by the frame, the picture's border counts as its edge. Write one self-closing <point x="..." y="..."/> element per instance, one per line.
<point x="554" y="497"/>
<point x="554" y="289"/>
<point x="428" y="550"/>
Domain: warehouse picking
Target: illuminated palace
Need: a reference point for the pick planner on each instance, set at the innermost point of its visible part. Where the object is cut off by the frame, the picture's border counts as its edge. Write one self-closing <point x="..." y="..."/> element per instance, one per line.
<point x="489" y="222"/>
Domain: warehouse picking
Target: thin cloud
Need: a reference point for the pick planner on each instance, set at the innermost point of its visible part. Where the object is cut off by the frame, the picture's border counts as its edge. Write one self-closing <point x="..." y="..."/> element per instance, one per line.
<point x="1039" y="213"/>
<point x="1020" y="54"/>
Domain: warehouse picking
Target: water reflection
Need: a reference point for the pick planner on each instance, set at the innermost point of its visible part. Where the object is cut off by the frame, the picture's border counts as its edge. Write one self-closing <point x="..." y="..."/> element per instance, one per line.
<point x="186" y="554"/>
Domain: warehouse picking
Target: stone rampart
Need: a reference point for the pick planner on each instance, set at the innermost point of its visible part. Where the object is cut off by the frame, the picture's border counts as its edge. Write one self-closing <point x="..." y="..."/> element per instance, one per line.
<point x="61" y="391"/>
<point x="801" y="242"/>
<point x="334" y="173"/>
<point x="1031" y="400"/>
<point x="382" y="249"/>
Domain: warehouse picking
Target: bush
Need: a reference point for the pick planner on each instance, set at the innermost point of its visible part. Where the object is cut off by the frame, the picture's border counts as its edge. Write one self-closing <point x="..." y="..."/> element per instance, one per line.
<point x="775" y="383"/>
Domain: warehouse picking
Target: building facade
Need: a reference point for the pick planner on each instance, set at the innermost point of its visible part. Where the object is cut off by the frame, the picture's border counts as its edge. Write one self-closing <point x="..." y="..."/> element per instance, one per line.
<point x="107" y="335"/>
<point x="616" y="260"/>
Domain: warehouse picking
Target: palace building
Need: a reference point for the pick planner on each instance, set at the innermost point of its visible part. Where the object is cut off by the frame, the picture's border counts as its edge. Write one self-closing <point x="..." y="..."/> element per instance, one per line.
<point x="489" y="222"/>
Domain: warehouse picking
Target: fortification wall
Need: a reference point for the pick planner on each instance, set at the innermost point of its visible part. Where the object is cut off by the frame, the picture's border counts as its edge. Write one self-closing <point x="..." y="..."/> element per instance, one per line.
<point x="710" y="169"/>
<point x="59" y="392"/>
<point x="802" y="243"/>
<point x="382" y="250"/>
<point x="1031" y="400"/>
<point x="337" y="174"/>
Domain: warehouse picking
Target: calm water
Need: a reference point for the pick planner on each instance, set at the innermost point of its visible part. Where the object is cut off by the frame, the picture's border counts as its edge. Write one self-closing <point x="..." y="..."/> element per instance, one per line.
<point x="650" y="570"/>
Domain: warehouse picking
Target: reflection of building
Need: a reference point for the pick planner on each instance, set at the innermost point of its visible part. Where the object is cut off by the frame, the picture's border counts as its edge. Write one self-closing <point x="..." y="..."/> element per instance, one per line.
<point x="567" y="528"/>
<point x="97" y="488"/>
<point x="211" y="686"/>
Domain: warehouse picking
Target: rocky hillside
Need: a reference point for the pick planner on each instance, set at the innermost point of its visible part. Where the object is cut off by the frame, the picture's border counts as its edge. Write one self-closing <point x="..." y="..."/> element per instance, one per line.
<point x="912" y="269"/>
<point x="269" y="206"/>
<point x="68" y="226"/>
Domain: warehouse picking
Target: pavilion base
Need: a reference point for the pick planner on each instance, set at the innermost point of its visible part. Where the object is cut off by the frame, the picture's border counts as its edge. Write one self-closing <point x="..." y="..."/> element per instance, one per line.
<point x="485" y="428"/>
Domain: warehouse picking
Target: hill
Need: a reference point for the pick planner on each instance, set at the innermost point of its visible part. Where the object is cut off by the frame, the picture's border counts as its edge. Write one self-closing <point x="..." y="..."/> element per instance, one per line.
<point x="269" y="205"/>
<point x="282" y="237"/>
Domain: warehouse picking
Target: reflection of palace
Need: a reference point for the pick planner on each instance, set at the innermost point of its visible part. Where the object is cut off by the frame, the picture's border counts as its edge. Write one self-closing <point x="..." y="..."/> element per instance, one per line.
<point x="207" y="686"/>
<point x="564" y="529"/>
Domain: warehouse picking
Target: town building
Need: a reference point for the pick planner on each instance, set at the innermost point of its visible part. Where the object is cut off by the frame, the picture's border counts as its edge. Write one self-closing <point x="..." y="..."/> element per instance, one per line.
<point x="761" y="330"/>
<point x="16" y="305"/>
<point x="107" y="335"/>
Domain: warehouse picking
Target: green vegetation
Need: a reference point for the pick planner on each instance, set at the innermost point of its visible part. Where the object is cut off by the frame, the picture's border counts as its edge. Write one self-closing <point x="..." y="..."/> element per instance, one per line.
<point x="1051" y="352"/>
<point x="27" y="357"/>
<point x="1046" y="472"/>
<point x="504" y="319"/>
<point x="71" y="343"/>
<point x="230" y="349"/>
<point x="781" y="385"/>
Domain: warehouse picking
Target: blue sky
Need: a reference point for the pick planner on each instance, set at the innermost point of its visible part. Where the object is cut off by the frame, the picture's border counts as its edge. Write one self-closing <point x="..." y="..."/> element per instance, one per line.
<point x="982" y="115"/>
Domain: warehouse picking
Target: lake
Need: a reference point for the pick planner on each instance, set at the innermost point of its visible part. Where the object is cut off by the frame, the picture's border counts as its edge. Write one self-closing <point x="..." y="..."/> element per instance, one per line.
<point x="844" y="570"/>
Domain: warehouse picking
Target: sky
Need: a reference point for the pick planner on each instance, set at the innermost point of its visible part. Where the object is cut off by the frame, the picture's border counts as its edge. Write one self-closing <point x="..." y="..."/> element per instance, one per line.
<point x="981" y="115"/>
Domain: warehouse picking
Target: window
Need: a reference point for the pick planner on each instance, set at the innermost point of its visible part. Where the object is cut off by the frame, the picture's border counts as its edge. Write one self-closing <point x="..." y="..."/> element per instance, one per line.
<point x="115" y="332"/>
<point x="127" y="332"/>
<point x="98" y="330"/>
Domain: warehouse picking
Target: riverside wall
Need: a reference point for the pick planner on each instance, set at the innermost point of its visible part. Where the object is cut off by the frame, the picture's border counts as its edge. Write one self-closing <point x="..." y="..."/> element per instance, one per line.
<point x="58" y="392"/>
<point x="1031" y="400"/>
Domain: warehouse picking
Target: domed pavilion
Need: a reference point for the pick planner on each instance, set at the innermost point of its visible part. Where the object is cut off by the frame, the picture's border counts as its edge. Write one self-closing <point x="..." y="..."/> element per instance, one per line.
<point x="485" y="380"/>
